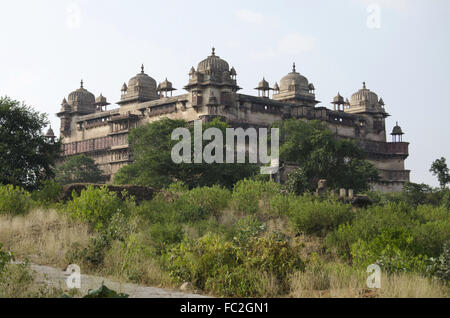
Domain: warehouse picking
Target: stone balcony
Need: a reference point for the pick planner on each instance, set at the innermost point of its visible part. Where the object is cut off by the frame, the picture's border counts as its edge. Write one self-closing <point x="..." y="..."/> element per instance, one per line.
<point x="386" y="148"/>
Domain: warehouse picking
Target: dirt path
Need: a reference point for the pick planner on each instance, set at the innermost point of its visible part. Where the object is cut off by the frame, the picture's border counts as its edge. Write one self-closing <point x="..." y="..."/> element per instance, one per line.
<point x="57" y="278"/>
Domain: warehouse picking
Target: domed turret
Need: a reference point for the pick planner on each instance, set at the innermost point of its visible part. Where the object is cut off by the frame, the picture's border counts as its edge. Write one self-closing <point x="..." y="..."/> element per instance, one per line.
<point x="50" y="133"/>
<point x="366" y="101"/>
<point x="364" y="95"/>
<point x="141" y="88"/>
<point x="212" y="71"/>
<point x="397" y="133"/>
<point x="213" y="64"/>
<point x="294" y="82"/>
<point x="263" y="87"/>
<point x="166" y="87"/>
<point x="82" y="100"/>
<point x="295" y="88"/>
<point x="65" y="107"/>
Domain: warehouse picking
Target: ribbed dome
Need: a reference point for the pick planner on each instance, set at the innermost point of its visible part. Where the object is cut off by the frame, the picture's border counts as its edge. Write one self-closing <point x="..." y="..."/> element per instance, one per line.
<point x="294" y="82"/>
<point x="141" y="86"/>
<point x="213" y="64"/>
<point x="81" y="96"/>
<point x="142" y="80"/>
<point x="364" y="95"/>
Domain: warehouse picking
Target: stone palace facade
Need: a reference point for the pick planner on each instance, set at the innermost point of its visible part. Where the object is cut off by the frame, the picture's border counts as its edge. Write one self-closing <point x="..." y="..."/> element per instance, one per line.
<point x="89" y="127"/>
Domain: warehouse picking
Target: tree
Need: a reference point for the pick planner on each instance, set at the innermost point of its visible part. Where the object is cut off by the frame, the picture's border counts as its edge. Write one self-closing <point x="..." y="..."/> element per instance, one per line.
<point x="79" y="169"/>
<point x="314" y="148"/>
<point x="26" y="155"/>
<point x="439" y="168"/>
<point x="152" y="149"/>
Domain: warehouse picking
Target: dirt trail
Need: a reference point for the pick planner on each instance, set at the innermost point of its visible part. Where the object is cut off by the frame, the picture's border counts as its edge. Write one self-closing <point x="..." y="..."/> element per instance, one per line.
<point x="57" y="278"/>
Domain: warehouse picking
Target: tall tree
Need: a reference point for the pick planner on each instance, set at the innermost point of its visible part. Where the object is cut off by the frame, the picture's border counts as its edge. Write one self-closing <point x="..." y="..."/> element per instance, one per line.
<point x="440" y="169"/>
<point x="315" y="149"/>
<point x="79" y="169"/>
<point x="26" y="155"/>
<point x="152" y="149"/>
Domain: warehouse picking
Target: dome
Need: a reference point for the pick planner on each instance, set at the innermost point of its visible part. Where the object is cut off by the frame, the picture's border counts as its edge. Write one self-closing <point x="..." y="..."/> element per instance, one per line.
<point x="294" y="82"/>
<point x="141" y="87"/>
<point x="364" y="95"/>
<point x="166" y="85"/>
<point x="213" y="64"/>
<point x="50" y="133"/>
<point x="397" y="131"/>
<point x="101" y="100"/>
<point x="81" y="96"/>
<point x="142" y="80"/>
<point x="338" y="99"/>
<point x="263" y="85"/>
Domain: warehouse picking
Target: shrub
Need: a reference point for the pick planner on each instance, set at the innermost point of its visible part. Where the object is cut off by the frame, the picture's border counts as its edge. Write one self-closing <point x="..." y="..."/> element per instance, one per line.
<point x="312" y="216"/>
<point x="48" y="193"/>
<point x="246" y="229"/>
<point x="92" y="255"/>
<point x="212" y="199"/>
<point x="226" y="269"/>
<point x="14" y="200"/>
<point x="165" y="235"/>
<point x="96" y="206"/>
<point x="428" y="226"/>
<point x="249" y="195"/>
<point x="5" y="259"/>
<point x="297" y="182"/>
<point x="391" y="250"/>
<point x="440" y="267"/>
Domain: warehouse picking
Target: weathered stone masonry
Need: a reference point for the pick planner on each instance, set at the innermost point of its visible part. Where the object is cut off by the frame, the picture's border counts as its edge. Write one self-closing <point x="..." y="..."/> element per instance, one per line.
<point x="88" y="127"/>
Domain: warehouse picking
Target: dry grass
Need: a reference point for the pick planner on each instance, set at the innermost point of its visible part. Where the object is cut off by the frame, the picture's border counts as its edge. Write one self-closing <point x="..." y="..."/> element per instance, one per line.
<point x="42" y="236"/>
<point x="411" y="286"/>
<point x="340" y="281"/>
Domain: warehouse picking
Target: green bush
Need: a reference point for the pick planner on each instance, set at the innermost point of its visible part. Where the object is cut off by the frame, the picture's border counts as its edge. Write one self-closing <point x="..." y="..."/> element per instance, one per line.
<point x="310" y="215"/>
<point x="251" y="195"/>
<point x="5" y="259"/>
<point x="225" y="269"/>
<point x="49" y="192"/>
<point x="212" y="199"/>
<point x="429" y="227"/>
<point x="96" y="206"/>
<point x="14" y="200"/>
<point x="164" y="235"/>
<point x="391" y="250"/>
<point x="92" y="255"/>
<point x="440" y="267"/>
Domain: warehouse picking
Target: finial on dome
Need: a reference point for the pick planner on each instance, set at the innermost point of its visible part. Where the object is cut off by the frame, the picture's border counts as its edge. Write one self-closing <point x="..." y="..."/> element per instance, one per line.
<point x="142" y="69"/>
<point x="81" y="84"/>
<point x="213" y="51"/>
<point x="364" y="85"/>
<point x="294" y="68"/>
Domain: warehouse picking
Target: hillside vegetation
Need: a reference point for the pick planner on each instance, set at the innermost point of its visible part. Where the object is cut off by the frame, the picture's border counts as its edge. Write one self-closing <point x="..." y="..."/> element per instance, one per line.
<point x="252" y="241"/>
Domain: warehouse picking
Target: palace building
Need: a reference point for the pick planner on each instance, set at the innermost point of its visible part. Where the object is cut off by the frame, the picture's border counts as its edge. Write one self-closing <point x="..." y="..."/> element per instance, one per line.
<point x="89" y="127"/>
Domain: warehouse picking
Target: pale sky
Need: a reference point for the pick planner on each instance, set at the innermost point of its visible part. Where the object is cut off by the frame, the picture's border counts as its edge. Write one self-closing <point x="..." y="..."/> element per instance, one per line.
<point x="403" y="53"/>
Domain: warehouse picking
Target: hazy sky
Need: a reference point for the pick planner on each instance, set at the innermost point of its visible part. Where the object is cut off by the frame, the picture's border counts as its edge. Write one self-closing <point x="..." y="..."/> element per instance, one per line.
<point x="399" y="47"/>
